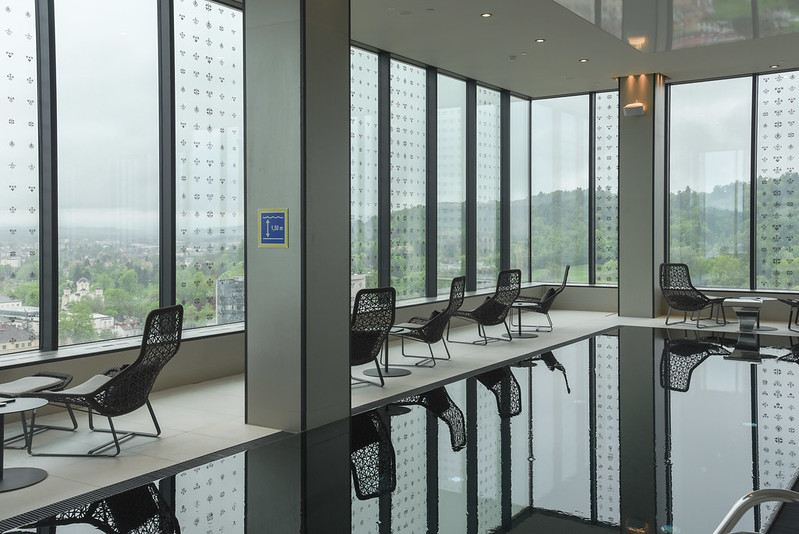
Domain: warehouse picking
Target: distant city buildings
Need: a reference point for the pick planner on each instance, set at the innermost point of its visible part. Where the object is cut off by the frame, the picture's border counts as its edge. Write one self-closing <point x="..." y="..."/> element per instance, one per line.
<point x="230" y="300"/>
<point x="82" y="291"/>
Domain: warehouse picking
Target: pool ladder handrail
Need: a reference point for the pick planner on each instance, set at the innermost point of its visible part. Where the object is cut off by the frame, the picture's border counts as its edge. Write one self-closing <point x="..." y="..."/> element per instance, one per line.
<point x="751" y="500"/>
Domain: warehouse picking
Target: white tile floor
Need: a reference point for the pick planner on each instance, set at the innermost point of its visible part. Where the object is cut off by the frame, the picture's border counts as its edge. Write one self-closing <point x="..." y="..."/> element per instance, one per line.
<point x="207" y="417"/>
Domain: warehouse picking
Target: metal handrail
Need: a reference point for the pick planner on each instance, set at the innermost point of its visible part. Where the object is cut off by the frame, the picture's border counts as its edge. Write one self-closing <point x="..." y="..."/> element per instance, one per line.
<point x="751" y="500"/>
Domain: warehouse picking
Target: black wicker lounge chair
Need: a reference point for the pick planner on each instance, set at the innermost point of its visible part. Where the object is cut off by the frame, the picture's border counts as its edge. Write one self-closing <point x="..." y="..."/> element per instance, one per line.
<point x="681" y="295"/>
<point x="431" y="330"/>
<point x="372" y="317"/>
<point x="122" y="390"/>
<point x="544" y="303"/>
<point x="495" y="309"/>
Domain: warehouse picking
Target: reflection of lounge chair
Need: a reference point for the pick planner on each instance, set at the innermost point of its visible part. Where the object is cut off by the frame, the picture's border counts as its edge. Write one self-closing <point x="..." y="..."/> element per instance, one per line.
<point x="441" y="405"/>
<point x="372" y="460"/>
<point x="679" y="359"/>
<point x="141" y="510"/>
<point x="505" y="388"/>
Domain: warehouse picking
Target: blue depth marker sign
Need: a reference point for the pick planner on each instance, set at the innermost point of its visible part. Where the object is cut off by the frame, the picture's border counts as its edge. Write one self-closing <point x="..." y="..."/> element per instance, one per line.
<point x="274" y="228"/>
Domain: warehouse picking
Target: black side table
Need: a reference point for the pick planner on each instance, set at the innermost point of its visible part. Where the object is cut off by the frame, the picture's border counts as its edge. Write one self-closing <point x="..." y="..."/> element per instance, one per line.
<point x="18" y="477"/>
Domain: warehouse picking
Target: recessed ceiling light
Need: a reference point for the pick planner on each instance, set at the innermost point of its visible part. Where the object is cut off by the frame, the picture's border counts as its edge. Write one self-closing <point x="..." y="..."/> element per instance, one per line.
<point x="485" y="15"/>
<point x="774" y="66"/>
<point x="539" y="40"/>
<point x="583" y="60"/>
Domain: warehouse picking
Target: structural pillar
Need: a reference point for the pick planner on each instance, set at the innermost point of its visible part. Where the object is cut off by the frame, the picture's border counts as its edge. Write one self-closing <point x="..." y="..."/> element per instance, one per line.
<point x="641" y="194"/>
<point x="297" y="56"/>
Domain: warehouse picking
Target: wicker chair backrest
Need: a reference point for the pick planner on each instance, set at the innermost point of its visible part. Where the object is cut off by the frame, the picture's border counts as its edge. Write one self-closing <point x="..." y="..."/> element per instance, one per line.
<point x="372" y="318"/>
<point x="130" y="387"/>
<point x="433" y="330"/>
<point x="677" y="289"/>
<point x="494" y="310"/>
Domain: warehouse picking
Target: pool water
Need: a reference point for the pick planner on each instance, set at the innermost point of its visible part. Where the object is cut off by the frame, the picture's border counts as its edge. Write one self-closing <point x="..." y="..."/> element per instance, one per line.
<point x="636" y="430"/>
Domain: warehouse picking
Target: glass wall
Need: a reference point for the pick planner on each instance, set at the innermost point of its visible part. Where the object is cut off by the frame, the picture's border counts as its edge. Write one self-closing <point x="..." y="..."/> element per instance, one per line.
<point x="551" y="177"/>
<point x="560" y="180"/>
<point x="363" y="169"/>
<point x="408" y="178"/>
<point x="606" y="187"/>
<point x="19" y="204"/>
<point x="489" y="158"/>
<point x="111" y="169"/>
<point x="451" y="172"/>
<point x="520" y="186"/>
<point x="210" y="185"/>
<point x="776" y="256"/>
<point x="108" y="167"/>
<point x="709" y="162"/>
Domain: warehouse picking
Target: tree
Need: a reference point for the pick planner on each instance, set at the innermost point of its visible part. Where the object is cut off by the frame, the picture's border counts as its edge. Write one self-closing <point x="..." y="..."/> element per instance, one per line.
<point x="75" y="325"/>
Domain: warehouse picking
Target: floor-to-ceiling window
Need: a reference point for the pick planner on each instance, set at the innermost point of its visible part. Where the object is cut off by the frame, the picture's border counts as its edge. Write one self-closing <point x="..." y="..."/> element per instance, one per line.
<point x="19" y="204"/>
<point x="209" y="161"/>
<point x="606" y="187"/>
<point x="489" y="159"/>
<point x="560" y="185"/>
<point x="520" y="186"/>
<point x="776" y="256"/>
<point x="547" y="167"/>
<point x="408" y="84"/>
<point x="363" y="168"/>
<point x="98" y="134"/>
<point x="108" y="181"/>
<point x="709" y="177"/>
<point x="451" y="173"/>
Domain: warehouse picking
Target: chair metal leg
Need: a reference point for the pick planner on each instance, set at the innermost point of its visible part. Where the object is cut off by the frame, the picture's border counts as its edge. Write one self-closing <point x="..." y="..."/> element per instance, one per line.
<point x="118" y="436"/>
<point x="793" y="318"/>
<point x="24" y="436"/>
<point x="365" y="381"/>
<point x="424" y="359"/>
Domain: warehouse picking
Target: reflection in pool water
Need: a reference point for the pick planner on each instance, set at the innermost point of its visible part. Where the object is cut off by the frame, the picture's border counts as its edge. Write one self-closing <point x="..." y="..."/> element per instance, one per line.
<point x="654" y="431"/>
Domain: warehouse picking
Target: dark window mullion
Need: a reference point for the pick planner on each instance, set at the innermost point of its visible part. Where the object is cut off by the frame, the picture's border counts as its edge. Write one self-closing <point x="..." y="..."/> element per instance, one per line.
<point x="167" y="199"/>
<point x="592" y="189"/>
<point x="753" y="190"/>
<point x="471" y="185"/>
<point x="504" y="181"/>
<point x="384" y="170"/>
<point x="431" y="204"/>
<point x="48" y="176"/>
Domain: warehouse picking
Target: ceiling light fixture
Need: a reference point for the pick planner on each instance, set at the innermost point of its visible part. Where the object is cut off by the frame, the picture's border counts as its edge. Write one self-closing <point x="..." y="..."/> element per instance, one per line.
<point x="485" y="15"/>
<point x="774" y="67"/>
<point x="540" y="40"/>
<point x="583" y="60"/>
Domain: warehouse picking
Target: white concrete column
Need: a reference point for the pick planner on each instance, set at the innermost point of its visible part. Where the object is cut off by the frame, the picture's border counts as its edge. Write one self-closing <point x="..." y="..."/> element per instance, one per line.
<point x="297" y="124"/>
<point x="641" y="194"/>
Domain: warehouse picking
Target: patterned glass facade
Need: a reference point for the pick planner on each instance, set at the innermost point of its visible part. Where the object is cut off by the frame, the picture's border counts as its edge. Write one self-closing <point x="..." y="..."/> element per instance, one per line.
<point x="489" y="156"/>
<point x="19" y="157"/>
<point x="408" y="178"/>
<point x="363" y="169"/>
<point x="209" y="87"/>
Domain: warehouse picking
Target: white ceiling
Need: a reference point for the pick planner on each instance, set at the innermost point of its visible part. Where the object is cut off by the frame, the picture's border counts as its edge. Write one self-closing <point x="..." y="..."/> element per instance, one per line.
<point x="451" y="35"/>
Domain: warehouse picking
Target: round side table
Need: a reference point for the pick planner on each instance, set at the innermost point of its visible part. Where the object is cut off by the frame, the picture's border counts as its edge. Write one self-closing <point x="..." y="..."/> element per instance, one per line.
<point x="18" y="477"/>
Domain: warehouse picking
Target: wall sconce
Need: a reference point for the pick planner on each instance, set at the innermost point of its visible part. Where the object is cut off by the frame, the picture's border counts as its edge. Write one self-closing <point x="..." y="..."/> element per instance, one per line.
<point x="635" y="109"/>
